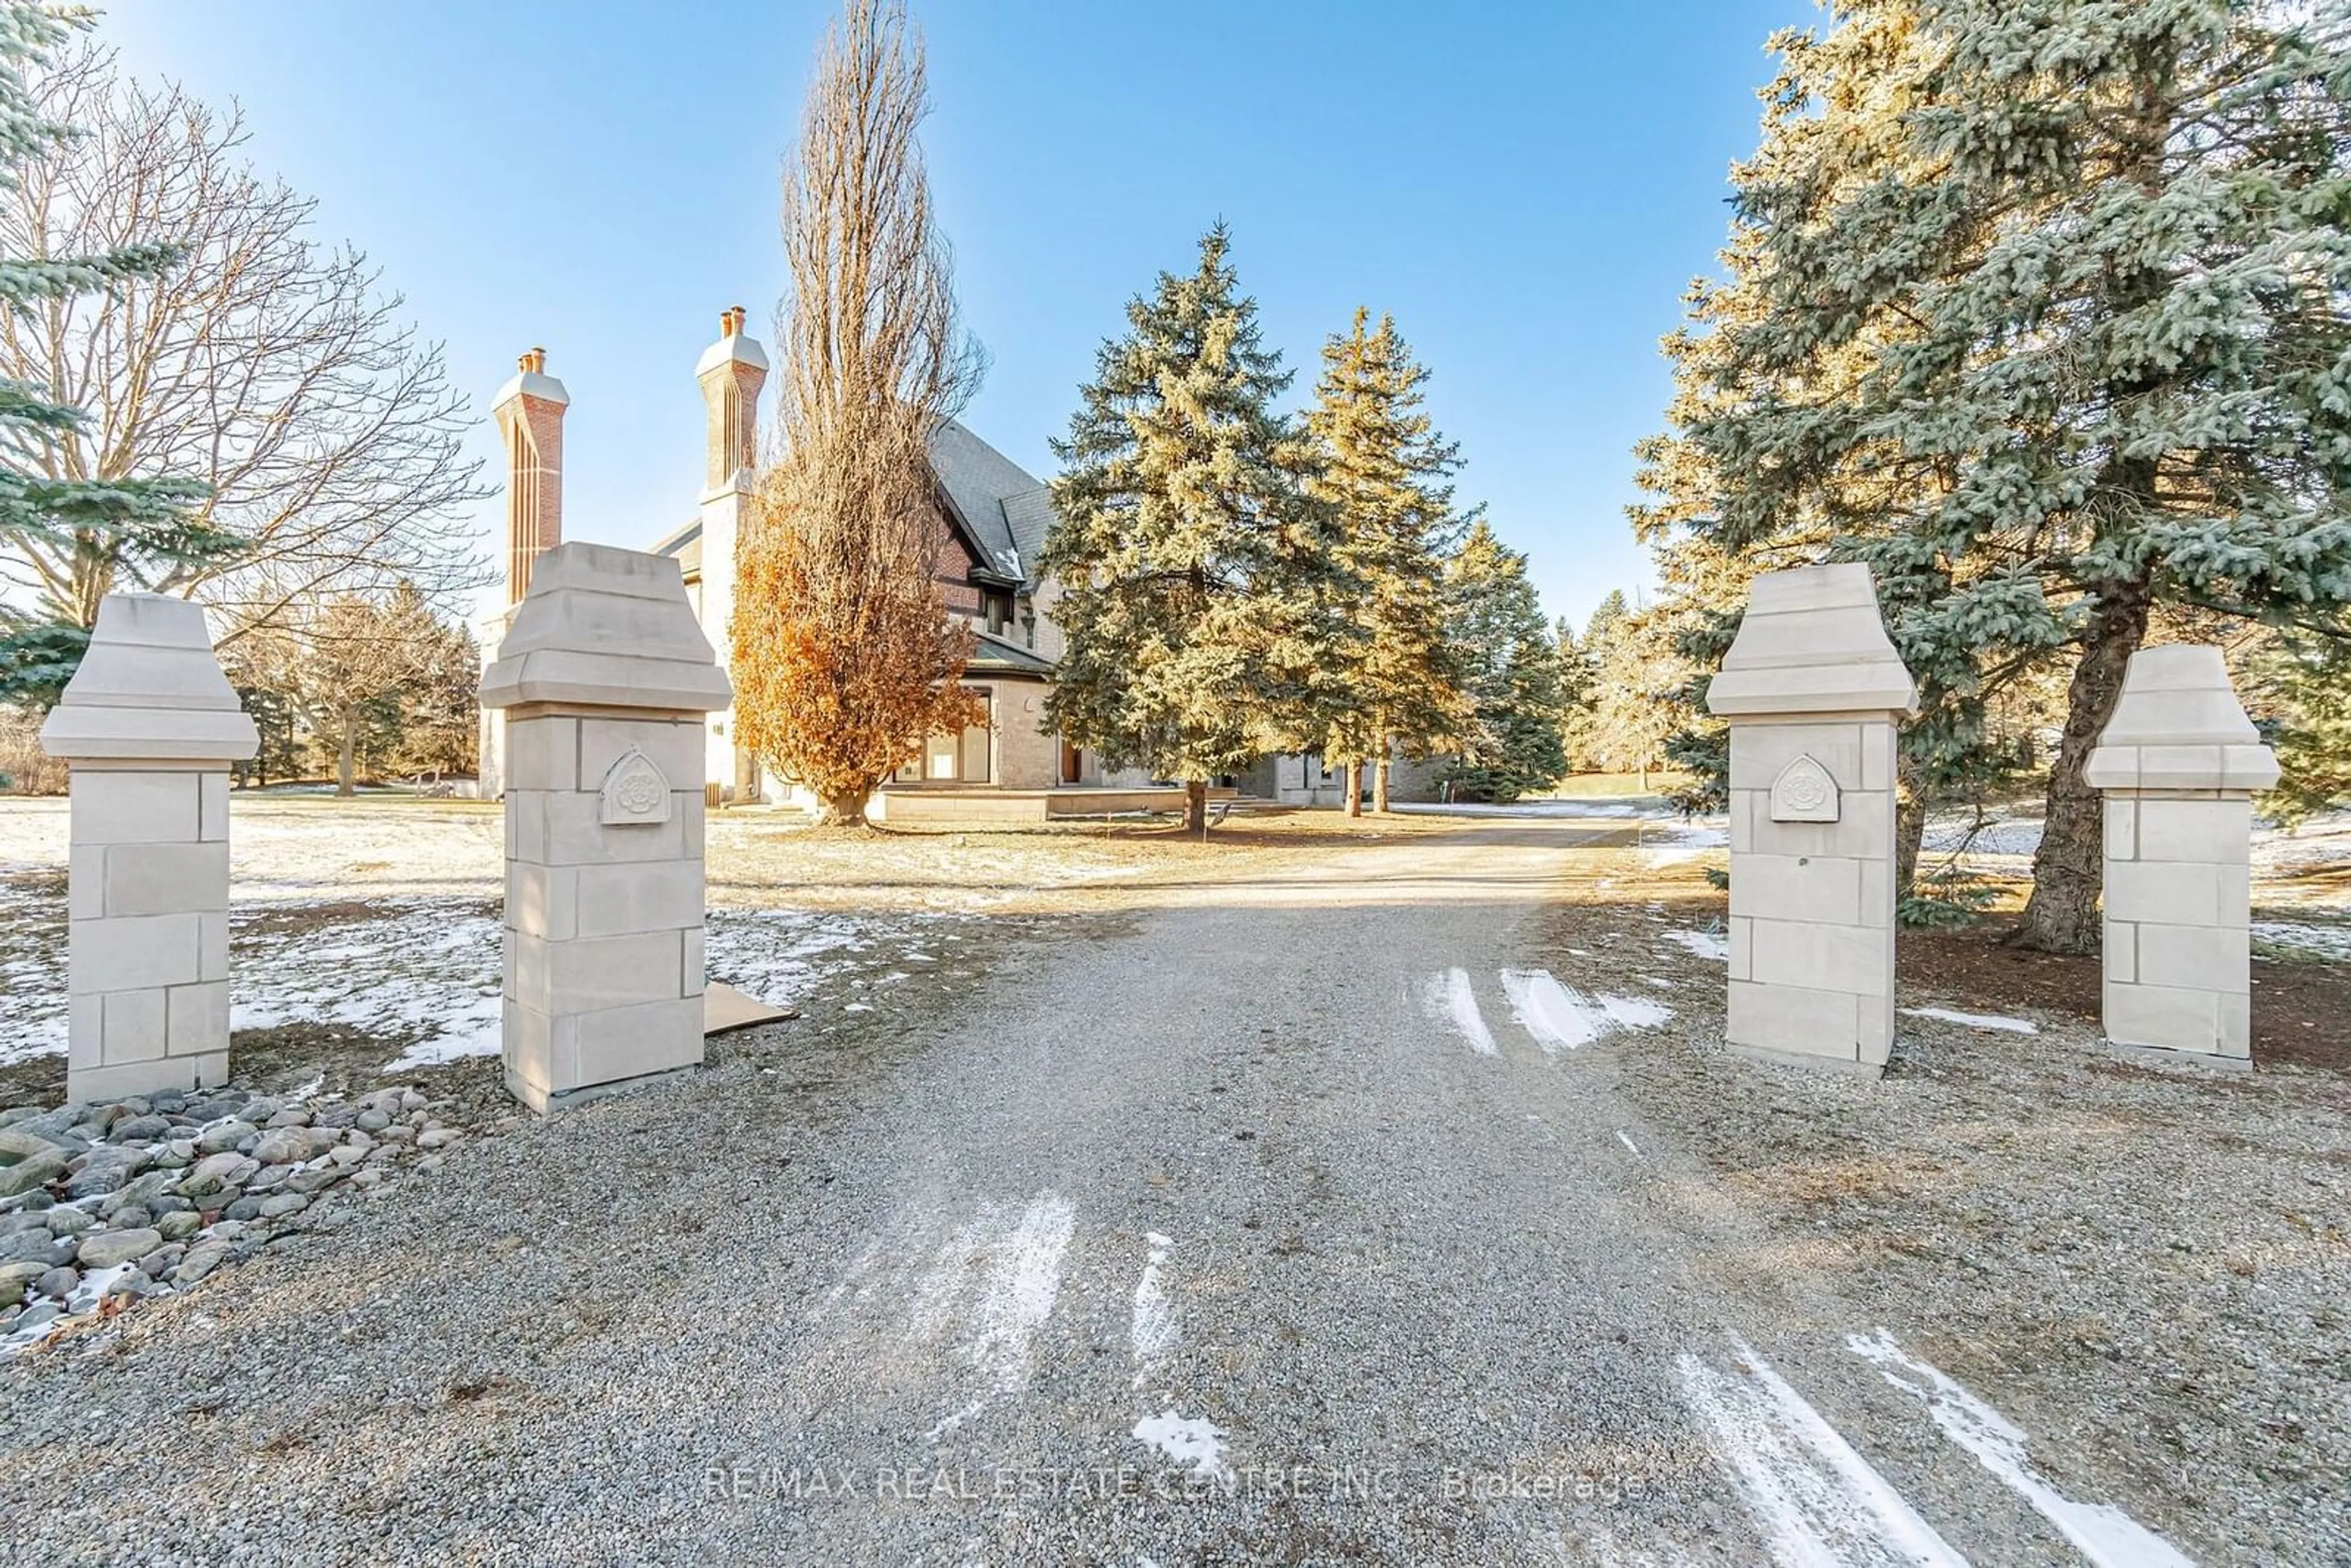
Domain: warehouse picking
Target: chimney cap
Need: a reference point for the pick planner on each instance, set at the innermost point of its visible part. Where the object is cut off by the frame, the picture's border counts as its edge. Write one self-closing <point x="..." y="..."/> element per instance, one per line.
<point x="531" y="380"/>
<point x="734" y="345"/>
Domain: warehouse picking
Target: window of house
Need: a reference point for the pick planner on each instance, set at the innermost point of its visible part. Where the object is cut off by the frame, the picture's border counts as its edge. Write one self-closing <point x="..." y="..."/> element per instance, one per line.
<point x="995" y="609"/>
<point x="960" y="759"/>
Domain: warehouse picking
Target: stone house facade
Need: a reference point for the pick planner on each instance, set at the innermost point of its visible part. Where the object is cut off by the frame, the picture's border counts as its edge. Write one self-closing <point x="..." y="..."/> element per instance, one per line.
<point x="993" y="517"/>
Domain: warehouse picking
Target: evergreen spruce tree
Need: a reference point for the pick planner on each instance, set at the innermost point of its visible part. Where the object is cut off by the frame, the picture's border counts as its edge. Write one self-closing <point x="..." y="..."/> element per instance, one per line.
<point x="147" y="523"/>
<point x="1201" y="626"/>
<point x="1575" y="695"/>
<point x="2039" y="309"/>
<point x="1382" y="475"/>
<point x="1740" y="483"/>
<point x="1634" y="676"/>
<point x="1509" y="671"/>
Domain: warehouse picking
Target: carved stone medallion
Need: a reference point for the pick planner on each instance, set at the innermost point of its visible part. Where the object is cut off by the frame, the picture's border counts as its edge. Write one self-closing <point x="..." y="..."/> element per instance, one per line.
<point x="1803" y="794"/>
<point x="635" y="791"/>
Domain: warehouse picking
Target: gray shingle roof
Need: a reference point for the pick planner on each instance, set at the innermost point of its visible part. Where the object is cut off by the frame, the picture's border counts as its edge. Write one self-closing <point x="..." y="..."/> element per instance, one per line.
<point x="1005" y="508"/>
<point x="992" y="655"/>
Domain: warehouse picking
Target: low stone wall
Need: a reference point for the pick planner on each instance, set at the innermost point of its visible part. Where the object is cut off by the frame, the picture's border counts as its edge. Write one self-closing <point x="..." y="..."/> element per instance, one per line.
<point x="932" y="804"/>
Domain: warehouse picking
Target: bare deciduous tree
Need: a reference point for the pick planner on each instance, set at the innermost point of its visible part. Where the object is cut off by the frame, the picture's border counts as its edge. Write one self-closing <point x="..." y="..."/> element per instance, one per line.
<point x="845" y="656"/>
<point x="346" y="661"/>
<point x="266" y="366"/>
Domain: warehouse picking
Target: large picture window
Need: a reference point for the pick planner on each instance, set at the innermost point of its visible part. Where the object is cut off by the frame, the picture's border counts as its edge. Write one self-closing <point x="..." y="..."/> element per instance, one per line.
<point x="961" y="758"/>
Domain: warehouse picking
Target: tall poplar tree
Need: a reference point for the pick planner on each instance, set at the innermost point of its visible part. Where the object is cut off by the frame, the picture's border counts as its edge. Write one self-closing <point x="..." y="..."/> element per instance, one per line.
<point x="845" y="655"/>
<point x="1383" y="475"/>
<point x="1200" y="623"/>
<point x="147" y="524"/>
<point x="2043" y="316"/>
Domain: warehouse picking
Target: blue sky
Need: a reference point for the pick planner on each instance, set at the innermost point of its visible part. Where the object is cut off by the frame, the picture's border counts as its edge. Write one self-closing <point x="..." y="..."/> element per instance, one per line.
<point x="1528" y="187"/>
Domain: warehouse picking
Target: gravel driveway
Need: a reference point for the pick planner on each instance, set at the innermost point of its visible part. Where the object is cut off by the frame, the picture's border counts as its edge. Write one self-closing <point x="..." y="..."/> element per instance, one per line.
<point x="1296" y="1220"/>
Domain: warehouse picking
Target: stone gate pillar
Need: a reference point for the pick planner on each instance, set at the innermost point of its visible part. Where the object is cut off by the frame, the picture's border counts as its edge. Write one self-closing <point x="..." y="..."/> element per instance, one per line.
<point x="2178" y="762"/>
<point x="147" y="728"/>
<point x="604" y="678"/>
<point x="1812" y="689"/>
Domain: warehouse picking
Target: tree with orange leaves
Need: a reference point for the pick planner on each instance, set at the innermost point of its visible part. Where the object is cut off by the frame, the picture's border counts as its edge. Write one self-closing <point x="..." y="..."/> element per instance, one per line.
<point x="845" y="656"/>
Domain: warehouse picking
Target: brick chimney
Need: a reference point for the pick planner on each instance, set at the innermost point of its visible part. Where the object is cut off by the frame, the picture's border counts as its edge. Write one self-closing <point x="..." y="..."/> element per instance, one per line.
<point x="732" y="370"/>
<point x="529" y="411"/>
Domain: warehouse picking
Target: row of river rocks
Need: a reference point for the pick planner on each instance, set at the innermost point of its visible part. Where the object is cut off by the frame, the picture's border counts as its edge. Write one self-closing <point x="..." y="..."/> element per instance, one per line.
<point x="102" y="1205"/>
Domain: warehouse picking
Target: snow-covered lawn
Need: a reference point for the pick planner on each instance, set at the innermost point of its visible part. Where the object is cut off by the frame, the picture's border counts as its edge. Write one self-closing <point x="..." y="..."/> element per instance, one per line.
<point x="2323" y="941"/>
<point x="378" y="920"/>
<point x="2318" y="843"/>
<point x="421" y="976"/>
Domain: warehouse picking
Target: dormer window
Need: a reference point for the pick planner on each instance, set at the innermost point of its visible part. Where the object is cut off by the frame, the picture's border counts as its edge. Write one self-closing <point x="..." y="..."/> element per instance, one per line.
<point x="995" y="609"/>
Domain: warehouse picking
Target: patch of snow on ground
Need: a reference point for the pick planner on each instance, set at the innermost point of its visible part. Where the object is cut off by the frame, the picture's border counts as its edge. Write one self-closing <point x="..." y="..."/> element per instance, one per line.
<point x="1449" y="998"/>
<point x="84" y="1300"/>
<point x="1195" y="1443"/>
<point x="416" y="969"/>
<point x="1817" y="1500"/>
<point x="1152" y="1334"/>
<point x="1633" y="1012"/>
<point x="1562" y="1017"/>
<point x="780" y="954"/>
<point x="1000" y="1282"/>
<point x="1974" y="1021"/>
<point x="1555" y="1014"/>
<point x="2327" y="941"/>
<point x="2000" y="836"/>
<point x="1670" y="843"/>
<point x="2321" y="840"/>
<point x="2105" y="1534"/>
<point x="425" y="973"/>
<point x="32" y="970"/>
<point x="1705" y="943"/>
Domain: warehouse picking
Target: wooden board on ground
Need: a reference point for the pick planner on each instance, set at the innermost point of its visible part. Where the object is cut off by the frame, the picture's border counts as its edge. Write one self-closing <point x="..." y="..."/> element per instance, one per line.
<point x="723" y="1007"/>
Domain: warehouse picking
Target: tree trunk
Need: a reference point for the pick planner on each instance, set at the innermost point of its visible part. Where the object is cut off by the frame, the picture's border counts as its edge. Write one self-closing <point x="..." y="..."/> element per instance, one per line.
<point x="1196" y="806"/>
<point x="844" y="811"/>
<point x="1380" y="784"/>
<point x="1353" y="774"/>
<point x="345" y="760"/>
<point x="2062" y="914"/>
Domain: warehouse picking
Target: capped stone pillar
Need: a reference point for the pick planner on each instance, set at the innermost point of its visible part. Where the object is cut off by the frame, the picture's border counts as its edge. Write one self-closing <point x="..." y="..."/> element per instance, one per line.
<point x="147" y="728"/>
<point x="603" y="680"/>
<point x="2178" y="763"/>
<point x="1812" y="689"/>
